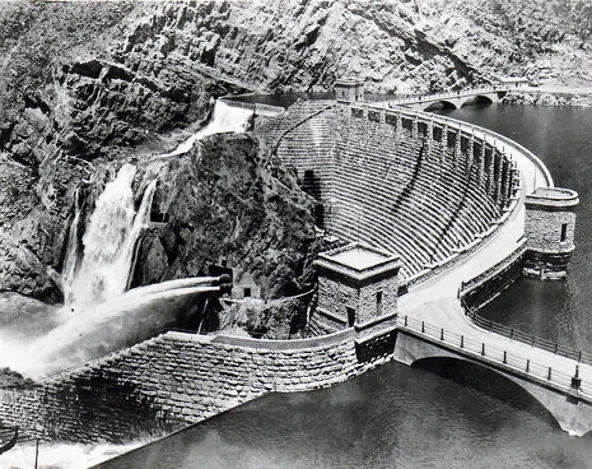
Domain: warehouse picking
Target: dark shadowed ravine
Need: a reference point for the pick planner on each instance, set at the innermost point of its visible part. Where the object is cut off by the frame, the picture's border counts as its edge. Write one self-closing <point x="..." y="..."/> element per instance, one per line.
<point x="442" y="414"/>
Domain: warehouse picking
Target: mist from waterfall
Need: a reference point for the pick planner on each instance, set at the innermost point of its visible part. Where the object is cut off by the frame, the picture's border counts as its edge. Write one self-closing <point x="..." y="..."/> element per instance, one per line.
<point x="109" y="241"/>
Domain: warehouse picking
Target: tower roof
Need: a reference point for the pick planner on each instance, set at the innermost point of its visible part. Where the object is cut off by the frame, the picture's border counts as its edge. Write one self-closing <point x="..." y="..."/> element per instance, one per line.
<point x="360" y="262"/>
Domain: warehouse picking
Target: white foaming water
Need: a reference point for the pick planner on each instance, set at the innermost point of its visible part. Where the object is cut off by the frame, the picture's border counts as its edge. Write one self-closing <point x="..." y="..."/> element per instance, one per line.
<point x="225" y="119"/>
<point x="62" y="455"/>
<point x="109" y="243"/>
<point x="71" y="262"/>
<point x="109" y="326"/>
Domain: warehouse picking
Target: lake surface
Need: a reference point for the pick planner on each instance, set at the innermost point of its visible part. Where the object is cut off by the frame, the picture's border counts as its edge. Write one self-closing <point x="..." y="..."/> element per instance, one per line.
<point x="443" y="415"/>
<point x="556" y="310"/>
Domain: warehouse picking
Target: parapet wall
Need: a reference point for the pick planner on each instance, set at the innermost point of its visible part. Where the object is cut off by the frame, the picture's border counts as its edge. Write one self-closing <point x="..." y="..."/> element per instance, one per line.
<point x="175" y="379"/>
<point x="482" y="289"/>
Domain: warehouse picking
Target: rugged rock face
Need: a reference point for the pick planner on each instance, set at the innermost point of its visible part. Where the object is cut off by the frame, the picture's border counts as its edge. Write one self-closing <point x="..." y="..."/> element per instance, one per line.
<point x="537" y="38"/>
<point x="551" y="99"/>
<point x="227" y="200"/>
<point x="84" y="85"/>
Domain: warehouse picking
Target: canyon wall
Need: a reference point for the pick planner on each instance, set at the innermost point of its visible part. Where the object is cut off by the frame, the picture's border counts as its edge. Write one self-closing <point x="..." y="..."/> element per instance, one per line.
<point x="86" y="85"/>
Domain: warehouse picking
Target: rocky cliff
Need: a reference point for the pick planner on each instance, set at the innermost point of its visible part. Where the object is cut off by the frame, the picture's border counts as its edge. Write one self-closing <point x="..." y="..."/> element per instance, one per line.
<point x="85" y="85"/>
<point x="228" y="200"/>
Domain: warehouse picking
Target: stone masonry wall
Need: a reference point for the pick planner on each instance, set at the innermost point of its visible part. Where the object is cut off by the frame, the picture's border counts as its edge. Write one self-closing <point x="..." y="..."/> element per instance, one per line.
<point x="335" y="296"/>
<point x="547" y="256"/>
<point x="368" y="306"/>
<point x="543" y="229"/>
<point x="171" y="380"/>
<point x="379" y="169"/>
<point x="487" y="286"/>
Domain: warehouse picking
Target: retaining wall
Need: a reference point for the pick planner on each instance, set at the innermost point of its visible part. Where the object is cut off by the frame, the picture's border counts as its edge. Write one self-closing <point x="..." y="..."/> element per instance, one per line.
<point x="484" y="288"/>
<point x="176" y="379"/>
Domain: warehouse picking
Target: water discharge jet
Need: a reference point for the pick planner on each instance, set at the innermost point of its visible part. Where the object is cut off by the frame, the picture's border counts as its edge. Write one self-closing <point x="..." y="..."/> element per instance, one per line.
<point x="109" y="326"/>
<point x="106" y="316"/>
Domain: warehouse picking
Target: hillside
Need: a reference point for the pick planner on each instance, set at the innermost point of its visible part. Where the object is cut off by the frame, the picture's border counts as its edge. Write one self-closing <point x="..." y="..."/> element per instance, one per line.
<point x="86" y="85"/>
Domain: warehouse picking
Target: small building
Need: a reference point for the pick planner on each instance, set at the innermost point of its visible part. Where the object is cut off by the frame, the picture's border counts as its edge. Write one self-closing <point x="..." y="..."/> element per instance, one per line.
<point x="244" y="285"/>
<point x="349" y="90"/>
<point x="513" y="82"/>
<point x="357" y="285"/>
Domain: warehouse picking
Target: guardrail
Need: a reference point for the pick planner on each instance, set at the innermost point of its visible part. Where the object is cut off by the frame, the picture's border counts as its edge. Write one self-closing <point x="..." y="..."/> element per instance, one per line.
<point x="421" y="98"/>
<point x="530" y="339"/>
<point x="496" y="356"/>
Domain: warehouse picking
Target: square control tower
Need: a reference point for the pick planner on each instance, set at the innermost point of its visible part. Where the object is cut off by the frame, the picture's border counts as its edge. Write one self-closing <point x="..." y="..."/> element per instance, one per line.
<point x="357" y="283"/>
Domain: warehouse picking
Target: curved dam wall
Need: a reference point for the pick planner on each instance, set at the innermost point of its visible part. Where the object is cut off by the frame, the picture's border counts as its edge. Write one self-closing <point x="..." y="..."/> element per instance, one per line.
<point x="419" y="187"/>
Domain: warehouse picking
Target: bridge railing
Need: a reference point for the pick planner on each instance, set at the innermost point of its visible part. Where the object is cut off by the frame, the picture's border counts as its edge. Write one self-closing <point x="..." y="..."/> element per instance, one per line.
<point x="422" y="98"/>
<point x="526" y="338"/>
<point x="494" y="355"/>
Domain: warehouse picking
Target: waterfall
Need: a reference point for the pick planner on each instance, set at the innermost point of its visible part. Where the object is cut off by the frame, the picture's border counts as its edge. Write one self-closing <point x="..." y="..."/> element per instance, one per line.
<point x="95" y="283"/>
<point x="96" y="275"/>
<point x="109" y="242"/>
<point x="226" y="118"/>
<point x="71" y="260"/>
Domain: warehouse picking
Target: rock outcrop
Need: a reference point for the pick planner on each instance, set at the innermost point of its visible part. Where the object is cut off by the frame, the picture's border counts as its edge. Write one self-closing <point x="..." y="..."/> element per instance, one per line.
<point x="85" y="85"/>
<point x="228" y="200"/>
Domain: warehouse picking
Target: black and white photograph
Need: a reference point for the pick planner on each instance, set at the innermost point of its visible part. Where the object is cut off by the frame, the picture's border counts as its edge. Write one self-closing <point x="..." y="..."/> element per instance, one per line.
<point x="295" y="234"/>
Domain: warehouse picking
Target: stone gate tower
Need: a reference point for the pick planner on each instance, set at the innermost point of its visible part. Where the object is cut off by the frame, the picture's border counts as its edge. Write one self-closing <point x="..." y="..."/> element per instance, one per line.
<point x="358" y="285"/>
<point x="550" y="227"/>
<point x="349" y="90"/>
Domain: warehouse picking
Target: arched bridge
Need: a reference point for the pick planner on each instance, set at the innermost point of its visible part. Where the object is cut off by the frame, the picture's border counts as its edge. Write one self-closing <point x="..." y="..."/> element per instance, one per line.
<point x="561" y="384"/>
<point x="454" y="99"/>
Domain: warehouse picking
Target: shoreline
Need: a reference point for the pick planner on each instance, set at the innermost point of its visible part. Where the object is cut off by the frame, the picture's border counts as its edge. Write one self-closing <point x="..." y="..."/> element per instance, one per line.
<point x="551" y="96"/>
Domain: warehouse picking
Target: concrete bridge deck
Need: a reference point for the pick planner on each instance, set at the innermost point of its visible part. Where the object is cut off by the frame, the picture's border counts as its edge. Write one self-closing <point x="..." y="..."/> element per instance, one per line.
<point x="453" y="99"/>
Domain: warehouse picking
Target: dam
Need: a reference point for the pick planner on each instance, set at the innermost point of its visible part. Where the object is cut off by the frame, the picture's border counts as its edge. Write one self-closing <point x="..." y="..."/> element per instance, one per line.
<point x="443" y="249"/>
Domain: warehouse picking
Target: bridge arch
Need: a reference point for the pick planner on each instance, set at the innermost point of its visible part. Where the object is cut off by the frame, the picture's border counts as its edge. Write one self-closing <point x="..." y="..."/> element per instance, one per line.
<point x="477" y="99"/>
<point x="491" y="382"/>
<point x="450" y="104"/>
<point x="573" y="414"/>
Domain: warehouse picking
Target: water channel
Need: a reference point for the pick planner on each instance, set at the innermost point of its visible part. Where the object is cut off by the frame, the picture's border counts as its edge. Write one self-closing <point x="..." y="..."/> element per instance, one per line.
<point x="440" y="414"/>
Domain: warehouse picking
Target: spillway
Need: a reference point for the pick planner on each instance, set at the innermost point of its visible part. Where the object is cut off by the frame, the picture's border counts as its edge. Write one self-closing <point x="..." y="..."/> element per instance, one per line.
<point x="225" y="118"/>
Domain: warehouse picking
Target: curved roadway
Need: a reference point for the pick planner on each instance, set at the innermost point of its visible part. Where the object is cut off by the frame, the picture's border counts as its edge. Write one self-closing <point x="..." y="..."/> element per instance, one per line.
<point x="435" y="301"/>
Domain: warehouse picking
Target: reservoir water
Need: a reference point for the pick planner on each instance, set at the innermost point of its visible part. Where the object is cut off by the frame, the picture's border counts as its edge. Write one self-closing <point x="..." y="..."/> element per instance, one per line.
<point x="442" y="415"/>
<point x="559" y="311"/>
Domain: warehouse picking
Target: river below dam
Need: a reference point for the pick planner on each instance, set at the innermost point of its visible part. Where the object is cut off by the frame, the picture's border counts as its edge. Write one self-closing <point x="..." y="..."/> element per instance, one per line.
<point x="445" y="414"/>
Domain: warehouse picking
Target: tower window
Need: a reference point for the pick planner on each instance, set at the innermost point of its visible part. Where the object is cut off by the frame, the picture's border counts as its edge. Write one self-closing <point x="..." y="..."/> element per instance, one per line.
<point x="351" y="316"/>
<point x="563" y="232"/>
<point x="246" y="292"/>
<point x="379" y="303"/>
